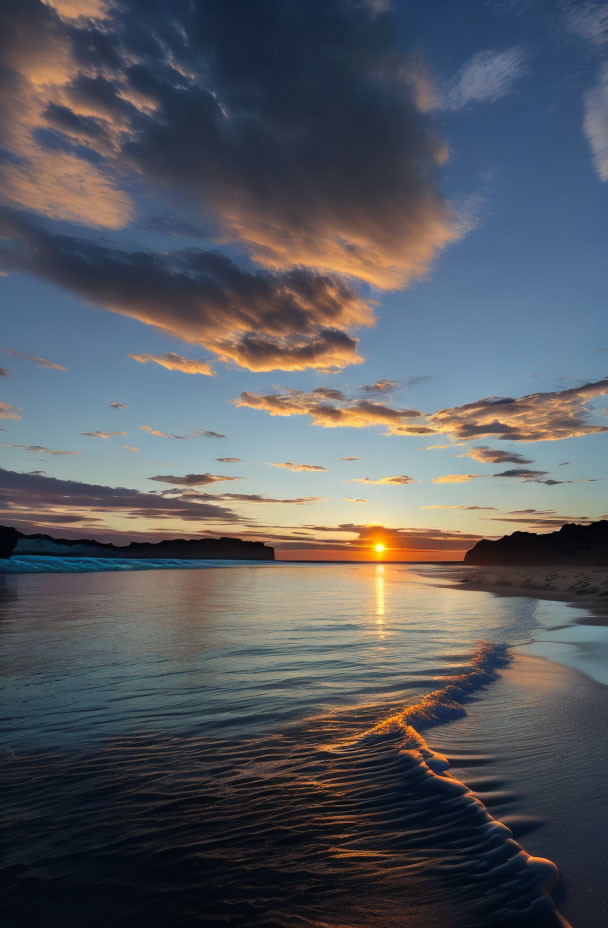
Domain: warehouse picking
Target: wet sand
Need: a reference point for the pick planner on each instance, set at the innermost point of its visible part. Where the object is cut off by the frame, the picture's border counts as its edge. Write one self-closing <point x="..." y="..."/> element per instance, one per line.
<point x="533" y="749"/>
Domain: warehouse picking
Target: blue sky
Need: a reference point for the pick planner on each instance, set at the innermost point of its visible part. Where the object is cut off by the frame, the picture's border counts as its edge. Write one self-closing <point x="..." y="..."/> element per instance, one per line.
<point x="428" y="210"/>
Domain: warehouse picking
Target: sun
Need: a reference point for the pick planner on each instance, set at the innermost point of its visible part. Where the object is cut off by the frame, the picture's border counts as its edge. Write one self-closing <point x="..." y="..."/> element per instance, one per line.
<point x="379" y="547"/>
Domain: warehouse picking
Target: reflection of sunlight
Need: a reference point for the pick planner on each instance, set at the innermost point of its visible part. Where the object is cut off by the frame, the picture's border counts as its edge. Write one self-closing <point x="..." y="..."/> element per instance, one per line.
<point x="379" y="594"/>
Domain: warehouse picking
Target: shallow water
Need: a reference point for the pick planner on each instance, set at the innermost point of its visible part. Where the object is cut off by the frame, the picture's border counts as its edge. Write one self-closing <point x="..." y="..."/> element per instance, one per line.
<point x="253" y="746"/>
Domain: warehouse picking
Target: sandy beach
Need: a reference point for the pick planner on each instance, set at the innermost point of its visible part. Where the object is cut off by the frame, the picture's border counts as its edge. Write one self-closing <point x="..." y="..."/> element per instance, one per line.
<point x="588" y="585"/>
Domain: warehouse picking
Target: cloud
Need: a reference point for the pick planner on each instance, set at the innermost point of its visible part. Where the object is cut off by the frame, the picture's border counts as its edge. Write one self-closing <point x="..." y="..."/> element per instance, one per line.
<point x="352" y="499"/>
<point x="589" y="21"/>
<point x="192" y="480"/>
<point x="300" y="317"/>
<point x="7" y="411"/>
<point x="595" y="122"/>
<point x="486" y="77"/>
<point x="4" y="372"/>
<point x="38" y="449"/>
<point x="117" y="406"/>
<point x="456" y="478"/>
<point x="100" y="434"/>
<point x="35" y="499"/>
<point x="229" y="460"/>
<point x="400" y="480"/>
<point x="522" y="473"/>
<point x="351" y="414"/>
<point x="95" y="109"/>
<point x="351" y="459"/>
<point x="130" y="448"/>
<point x="197" y="433"/>
<point x="493" y="456"/>
<point x="267" y="181"/>
<point x="288" y="465"/>
<point x="467" y="508"/>
<point x="536" y="417"/>
<point x="175" y="362"/>
<point x="40" y="362"/>
<point x="381" y="386"/>
<point x="254" y="498"/>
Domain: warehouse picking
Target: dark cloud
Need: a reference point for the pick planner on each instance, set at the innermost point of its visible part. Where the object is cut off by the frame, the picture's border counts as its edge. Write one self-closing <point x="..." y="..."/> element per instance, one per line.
<point x="200" y="296"/>
<point x="99" y="434"/>
<point x="493" y="456"/>
<point x="117" y="406"/>
<point x="381" y="386"/>
<point x="399" y="480"/>
<point x="41" y="499"/>
<point x="4" y="372"/>
<point x="522" y="473"/>
<point x="230" y="460"/>
<point x="192" y="480"/>
<point x="302" y="136"/>
<point x="38" y="449"/>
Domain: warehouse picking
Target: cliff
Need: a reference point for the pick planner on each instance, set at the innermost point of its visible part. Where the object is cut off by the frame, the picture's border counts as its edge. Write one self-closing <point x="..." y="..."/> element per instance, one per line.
<point x="572" y="544"/>
<point x="14" y="542"/>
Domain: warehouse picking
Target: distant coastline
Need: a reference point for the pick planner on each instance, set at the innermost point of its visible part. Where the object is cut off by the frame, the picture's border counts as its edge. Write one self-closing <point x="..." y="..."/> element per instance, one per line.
<point x="14" y="543"/>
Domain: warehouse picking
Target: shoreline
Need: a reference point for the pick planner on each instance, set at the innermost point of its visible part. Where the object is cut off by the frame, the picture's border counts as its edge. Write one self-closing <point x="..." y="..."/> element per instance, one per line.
<point x="515" y="750"/>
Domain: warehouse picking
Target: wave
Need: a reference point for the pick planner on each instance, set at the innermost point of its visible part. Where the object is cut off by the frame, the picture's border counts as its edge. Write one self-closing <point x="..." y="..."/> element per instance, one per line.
<point x="36" y="564"/>
<point x="472" y="854"/>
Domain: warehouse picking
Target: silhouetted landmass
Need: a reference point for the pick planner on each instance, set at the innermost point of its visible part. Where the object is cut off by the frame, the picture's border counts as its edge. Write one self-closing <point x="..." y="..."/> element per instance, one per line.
<point x="13" y="542"/>
<point x="572" y="544"/>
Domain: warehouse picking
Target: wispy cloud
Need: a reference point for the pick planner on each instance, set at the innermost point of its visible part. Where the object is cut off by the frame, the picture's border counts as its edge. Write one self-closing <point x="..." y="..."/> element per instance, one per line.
<point x="175" y="362"/>
<point x="38" y="449"/>
<point x="595" y="122"/>
<point x="131" y="448"/>
<point x="197" y="433"/>
<point x="352" y="499"/>
<point x="456" y="478"/>
<point x="117" y="406"/>
<point x="8" y="411"/>
<point x="289" y="465"/>
<point x="38" y="361"/>
<point x="486" y="77"/>
<point x="192" y="480"/>
<point x="99" y="434"/>
<point x="399" y="480"/>
<point x="349" y="458"/>
<point x="230" y="460"/>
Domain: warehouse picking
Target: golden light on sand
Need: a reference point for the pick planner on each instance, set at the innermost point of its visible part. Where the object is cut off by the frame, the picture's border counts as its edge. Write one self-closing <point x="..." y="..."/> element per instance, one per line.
<point x="379" y="547"/>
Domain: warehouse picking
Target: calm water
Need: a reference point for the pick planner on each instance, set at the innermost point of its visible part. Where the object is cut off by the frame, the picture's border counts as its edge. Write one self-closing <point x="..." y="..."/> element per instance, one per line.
<point x="252" y="746"/>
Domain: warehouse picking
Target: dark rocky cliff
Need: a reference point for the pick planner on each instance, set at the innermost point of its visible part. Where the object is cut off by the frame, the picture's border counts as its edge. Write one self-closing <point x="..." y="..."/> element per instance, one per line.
<point x="14" y="542"/>
<point x="572" y="544"/>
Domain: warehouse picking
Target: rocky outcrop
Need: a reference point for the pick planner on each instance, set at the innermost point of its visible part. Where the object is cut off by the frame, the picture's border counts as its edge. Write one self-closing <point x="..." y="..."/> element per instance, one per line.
<point x="572" y="544"/>
<point x="14" y="542"/>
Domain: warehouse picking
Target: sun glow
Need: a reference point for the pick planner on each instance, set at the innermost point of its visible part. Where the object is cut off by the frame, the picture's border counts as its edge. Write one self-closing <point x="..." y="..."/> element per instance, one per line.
<point x="379" y="548"/>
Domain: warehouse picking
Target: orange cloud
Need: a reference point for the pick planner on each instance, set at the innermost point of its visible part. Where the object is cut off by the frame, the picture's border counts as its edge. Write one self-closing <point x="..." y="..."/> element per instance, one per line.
<point x="8" y="411"/>
<point x="175" y="362"/>
<point x="100" y="434"/>
<point x="400" y="480"/>
<point x="456" y="478"/>
<point x="288" y="465"/>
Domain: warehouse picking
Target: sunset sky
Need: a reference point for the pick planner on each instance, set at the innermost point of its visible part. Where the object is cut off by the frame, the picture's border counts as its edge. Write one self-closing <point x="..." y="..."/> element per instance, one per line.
<point x="317" y="273"/>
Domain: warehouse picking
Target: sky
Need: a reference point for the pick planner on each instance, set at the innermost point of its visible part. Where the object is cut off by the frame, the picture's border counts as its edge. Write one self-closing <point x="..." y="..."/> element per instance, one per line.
<point x="323" y="273"/>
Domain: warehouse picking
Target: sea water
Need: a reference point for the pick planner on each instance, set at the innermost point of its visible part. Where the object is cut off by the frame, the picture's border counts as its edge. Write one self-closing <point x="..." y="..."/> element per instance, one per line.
<point x="253" y="746"/>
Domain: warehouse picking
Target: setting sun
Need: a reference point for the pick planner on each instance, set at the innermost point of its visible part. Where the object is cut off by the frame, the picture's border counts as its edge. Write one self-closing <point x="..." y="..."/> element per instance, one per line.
<point x="379" y="547"/>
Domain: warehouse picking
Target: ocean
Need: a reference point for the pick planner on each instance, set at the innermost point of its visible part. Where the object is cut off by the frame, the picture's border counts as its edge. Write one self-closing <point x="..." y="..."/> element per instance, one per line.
<point x="270" y="744"/>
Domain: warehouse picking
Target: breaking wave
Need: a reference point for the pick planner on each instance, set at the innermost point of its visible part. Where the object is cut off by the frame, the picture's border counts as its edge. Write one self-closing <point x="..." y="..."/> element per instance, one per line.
<point x="36" y="564"/>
